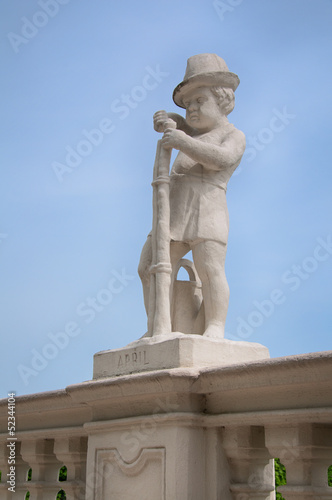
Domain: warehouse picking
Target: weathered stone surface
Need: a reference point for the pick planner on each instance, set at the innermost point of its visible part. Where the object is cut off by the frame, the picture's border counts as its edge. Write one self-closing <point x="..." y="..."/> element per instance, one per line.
<point x="175" y="351"/>
<point x="189" y="433"/>
<point x="189" y="202"/>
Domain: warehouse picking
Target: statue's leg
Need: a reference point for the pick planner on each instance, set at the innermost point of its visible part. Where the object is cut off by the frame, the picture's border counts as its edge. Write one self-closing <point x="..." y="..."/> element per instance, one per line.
<point x="178" y="250"/>
<point x="144" y="270"/>
<point x="209" y="259"/>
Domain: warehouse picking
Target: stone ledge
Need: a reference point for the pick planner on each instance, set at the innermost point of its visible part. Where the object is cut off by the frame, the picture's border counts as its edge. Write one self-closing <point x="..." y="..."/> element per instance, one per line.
<point x="177" y="351"/>
<point x="280" y="389"/>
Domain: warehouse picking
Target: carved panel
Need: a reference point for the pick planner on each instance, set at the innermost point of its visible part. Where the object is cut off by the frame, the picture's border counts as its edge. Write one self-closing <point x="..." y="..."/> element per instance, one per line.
<point x="144" y="477"/>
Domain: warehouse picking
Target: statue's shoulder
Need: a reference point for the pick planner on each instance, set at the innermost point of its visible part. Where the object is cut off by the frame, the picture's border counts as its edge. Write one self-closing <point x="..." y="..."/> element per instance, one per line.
<point x="236" y="133"/>
<point x="237" y="137"/>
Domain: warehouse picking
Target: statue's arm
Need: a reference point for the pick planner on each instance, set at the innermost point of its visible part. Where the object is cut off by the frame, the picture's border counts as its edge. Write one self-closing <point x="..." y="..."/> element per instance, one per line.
<point x="211" y="156"/>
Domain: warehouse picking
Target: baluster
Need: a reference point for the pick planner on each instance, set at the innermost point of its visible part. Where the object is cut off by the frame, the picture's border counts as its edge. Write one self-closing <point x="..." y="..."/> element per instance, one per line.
<point x="251" y="467"/>
<point x="45" y="468"/>
<point x="71" y="451"/>
<point x="306" y="451"/>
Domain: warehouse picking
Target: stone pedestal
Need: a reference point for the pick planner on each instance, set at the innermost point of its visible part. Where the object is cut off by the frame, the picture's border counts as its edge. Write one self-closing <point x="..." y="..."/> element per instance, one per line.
<point x="151" y="458"/>
<point x="161" y="446"/>
<point x="177" y="351"/>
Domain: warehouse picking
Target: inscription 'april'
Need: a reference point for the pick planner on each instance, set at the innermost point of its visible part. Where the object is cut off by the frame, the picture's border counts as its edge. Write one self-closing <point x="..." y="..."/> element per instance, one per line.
<point x="133" y="358"/>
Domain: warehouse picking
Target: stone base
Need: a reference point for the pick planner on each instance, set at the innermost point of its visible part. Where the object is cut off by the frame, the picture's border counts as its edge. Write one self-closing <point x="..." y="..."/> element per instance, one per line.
<point x="175" y="351"/>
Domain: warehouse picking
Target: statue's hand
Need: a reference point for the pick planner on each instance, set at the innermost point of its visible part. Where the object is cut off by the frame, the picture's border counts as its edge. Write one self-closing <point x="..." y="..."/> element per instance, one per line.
<point x="159" y="120"/>
<point x="173" y="138"/>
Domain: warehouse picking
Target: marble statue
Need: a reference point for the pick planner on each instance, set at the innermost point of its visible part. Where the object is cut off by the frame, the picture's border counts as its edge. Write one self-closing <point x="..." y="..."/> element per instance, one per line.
<point x="189" y="202"/>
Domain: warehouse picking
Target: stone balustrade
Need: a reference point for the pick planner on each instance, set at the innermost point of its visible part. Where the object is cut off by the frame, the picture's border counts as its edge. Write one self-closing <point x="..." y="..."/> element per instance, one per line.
<point x="194" y="434"/>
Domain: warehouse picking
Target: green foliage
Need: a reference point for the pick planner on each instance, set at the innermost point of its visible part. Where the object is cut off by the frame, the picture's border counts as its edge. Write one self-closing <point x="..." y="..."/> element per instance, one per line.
<point x="63" y="474"/>
<point x="62" y="477"/>
<point x="280" y="473"/>
<point x="330" y="475"/>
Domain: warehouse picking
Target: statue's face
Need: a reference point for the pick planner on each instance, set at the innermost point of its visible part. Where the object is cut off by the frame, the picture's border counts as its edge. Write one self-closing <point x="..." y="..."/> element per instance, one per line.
<point x="202" y="110"/>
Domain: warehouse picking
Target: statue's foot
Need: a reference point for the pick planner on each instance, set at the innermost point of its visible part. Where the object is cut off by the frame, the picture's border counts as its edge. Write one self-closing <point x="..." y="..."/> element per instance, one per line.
<point x="214" y="331"/>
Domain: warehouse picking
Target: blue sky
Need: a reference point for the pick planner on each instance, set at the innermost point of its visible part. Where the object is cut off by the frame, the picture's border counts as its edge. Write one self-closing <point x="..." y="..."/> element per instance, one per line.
<point x="69" y="68"/>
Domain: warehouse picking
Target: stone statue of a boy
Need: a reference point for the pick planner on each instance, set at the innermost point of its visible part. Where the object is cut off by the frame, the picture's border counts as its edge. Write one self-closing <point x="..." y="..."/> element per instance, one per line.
<point x="210" y="149"/>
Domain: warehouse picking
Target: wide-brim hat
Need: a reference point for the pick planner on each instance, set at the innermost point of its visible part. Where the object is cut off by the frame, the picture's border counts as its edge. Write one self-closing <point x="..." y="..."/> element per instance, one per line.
<point x="205" y="70"/>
